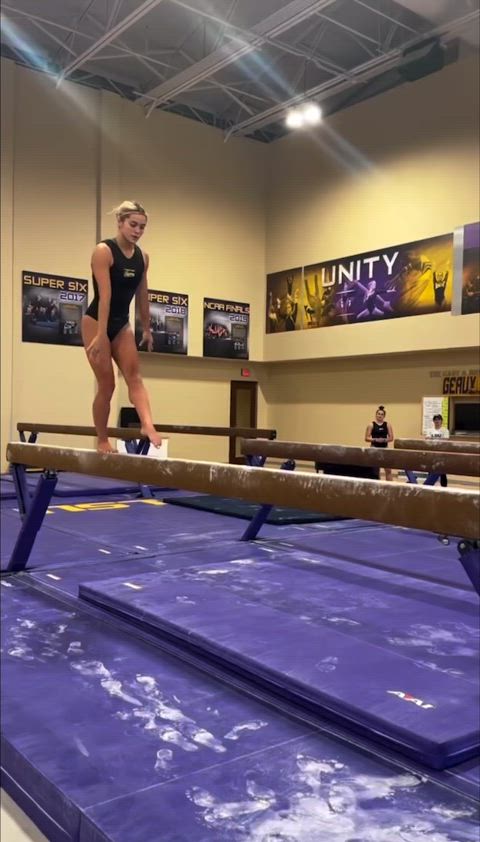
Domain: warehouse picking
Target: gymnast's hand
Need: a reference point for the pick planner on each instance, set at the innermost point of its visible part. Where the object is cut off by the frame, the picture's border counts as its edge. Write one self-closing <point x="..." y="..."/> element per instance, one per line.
<point x="147" y="340"/>
<point x="98" y="348"/>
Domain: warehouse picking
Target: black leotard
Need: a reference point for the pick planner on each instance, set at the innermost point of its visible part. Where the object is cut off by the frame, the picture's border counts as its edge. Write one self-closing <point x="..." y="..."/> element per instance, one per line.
<point x="379" y="431"/>
<point x="125" y="276"/>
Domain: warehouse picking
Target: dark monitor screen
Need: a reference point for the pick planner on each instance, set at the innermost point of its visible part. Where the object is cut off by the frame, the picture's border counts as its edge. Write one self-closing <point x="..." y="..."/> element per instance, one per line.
<point x="467" y="417"/>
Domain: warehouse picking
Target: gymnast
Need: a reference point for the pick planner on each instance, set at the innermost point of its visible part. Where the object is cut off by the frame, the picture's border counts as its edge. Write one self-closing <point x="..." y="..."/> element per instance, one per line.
<point x="119" y="270"/>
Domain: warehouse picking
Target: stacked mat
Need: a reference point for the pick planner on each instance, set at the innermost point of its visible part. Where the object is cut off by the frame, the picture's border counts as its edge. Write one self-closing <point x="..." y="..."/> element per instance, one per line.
<point x="429" y="715"/>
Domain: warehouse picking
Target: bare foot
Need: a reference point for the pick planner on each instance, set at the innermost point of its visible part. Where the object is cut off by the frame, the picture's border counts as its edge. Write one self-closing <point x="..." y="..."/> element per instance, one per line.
<point x="104" y="446"/>
<point x="151" y="434"/>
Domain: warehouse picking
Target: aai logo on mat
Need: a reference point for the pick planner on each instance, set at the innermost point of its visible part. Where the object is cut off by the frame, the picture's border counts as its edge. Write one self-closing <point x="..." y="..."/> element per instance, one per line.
<point x="407" y="697"/>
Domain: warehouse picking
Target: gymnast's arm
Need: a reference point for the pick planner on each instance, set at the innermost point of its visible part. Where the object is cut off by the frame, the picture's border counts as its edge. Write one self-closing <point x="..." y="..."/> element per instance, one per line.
<point x="102" y="260"/>
<point x="368" y="433"/>
<point x="144" y="307"/>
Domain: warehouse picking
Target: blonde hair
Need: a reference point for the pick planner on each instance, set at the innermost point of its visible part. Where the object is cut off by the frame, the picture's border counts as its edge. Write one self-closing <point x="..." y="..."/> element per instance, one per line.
<point x="126" y="208"/>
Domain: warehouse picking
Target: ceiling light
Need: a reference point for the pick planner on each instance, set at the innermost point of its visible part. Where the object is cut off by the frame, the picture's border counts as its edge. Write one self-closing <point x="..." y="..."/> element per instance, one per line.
<point x="294" y="119"/>
<point x="311" y="113"/>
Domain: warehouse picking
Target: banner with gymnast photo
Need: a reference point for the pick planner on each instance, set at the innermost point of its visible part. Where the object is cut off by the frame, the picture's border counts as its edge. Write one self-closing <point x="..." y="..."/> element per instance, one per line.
<point x="52" y="308"/>
<point x="226" y="326"/>
<point x="284" y="301"/>
<point x="466" y="295"/>
<point x="168" y="322"/>
<point x="411" y="279"/>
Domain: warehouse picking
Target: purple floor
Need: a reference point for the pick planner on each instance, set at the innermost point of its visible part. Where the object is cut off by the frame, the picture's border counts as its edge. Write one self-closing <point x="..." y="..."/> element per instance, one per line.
<point x="344" y="651"/>
<point x="71" y="485"/>
<point x="124" y="735"/>
<point x="138" y="746"/>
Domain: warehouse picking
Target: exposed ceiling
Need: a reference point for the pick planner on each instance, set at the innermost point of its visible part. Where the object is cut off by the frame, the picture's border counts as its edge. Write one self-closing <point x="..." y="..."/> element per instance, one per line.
<point x="238" y="64"/>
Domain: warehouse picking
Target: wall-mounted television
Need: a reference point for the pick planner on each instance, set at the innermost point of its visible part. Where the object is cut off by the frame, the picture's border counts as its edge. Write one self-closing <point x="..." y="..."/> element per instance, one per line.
<point x="466" y="418"/>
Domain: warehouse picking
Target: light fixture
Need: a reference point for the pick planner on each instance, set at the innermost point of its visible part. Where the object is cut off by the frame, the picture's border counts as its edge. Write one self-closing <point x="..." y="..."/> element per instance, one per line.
<point x="294" y="119"/>
<point x="311" y="113"/>
<point x="307" y="114"/>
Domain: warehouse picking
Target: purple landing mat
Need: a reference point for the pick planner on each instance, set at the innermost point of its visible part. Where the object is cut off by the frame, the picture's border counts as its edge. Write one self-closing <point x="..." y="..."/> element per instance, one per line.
<point x="54" y="548"/>
<point x="154" y="526"/>
<point x="298" y="792"/>
<point x="407" y="551"/>
<point x="128" y="744"/>
<point x="7" y="492"/>
<point x="434" y="625"/>
<point x="429" y="715"/>
<point x="72" y="485"/>
<point x="65" y="581"/>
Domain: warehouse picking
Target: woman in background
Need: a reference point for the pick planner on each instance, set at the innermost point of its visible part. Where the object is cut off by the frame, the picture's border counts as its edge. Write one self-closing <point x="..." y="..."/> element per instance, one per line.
<point x="379" y="433"/>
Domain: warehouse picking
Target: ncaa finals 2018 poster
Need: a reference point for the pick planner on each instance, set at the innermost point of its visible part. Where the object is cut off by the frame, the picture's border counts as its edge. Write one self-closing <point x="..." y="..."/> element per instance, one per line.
<point x="226" y="326"/>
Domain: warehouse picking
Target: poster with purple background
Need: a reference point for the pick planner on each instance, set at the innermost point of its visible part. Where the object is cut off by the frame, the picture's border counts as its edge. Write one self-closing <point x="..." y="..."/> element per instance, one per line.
<point x="411" y="279"/>
<point x="470" y="277"/>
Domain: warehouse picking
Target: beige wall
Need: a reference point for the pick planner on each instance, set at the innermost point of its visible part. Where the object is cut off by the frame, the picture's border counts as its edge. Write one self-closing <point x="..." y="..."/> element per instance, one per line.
<point x="400" y="167"/>
<point x="52" y="168"/>
<point x="332" y="401"/>
<point x="6" y="250"/>
<point x="69" y="156"/>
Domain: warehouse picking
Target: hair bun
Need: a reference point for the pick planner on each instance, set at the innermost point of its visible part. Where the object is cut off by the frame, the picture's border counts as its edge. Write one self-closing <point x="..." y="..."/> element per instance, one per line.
<point x="382" y="408"/>
<point x="126" y="208"/>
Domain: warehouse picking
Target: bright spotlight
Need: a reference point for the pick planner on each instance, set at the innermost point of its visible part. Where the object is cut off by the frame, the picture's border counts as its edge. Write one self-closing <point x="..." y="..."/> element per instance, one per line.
<point x="312" y="113"/>
<point x="294" y="119"/>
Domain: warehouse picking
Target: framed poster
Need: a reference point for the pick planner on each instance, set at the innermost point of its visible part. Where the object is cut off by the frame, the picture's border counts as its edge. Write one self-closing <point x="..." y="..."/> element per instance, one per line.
<point x="52" y="308"/>
<point x="226" y="326"/>
<point x="168" y="322"/>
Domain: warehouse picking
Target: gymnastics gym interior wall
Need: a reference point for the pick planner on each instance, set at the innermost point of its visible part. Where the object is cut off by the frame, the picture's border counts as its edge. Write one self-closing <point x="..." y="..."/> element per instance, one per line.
<point x="205" y="237"/>
<point x="69" y="155"/>
<point x="397" y="168"/>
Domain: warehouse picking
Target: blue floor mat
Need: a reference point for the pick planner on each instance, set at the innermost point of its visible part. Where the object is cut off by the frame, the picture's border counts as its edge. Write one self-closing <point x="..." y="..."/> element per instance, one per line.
<point x="408" y="551"/>
<point x="65" y="581"/>
<point x="332" y="658"/>
<point x="246" y="511"/>
<point x="154" y="525"/>
<point x="7" y="491"/>
<point x="71" y="485"/>
<point x="53" y="548"/>
<point x="119" y="741"/>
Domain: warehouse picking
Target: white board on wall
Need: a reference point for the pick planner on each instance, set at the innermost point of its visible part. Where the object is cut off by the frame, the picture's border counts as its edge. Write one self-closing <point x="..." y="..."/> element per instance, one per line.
<point x="434" y="406"/>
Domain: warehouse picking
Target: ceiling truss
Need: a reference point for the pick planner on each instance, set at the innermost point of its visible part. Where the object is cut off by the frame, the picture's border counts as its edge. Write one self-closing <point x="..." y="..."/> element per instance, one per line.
<point x="210" y="60"/>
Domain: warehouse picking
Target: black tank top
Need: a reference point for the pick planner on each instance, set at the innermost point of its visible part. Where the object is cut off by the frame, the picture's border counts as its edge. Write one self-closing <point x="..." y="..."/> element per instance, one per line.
<point x="125" y="276"/>
<point x="379" y="431"/>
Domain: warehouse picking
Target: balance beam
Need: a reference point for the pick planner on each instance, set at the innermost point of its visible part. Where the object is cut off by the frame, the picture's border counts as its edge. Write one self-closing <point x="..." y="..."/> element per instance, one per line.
<point x="131" y="433"/>
<point x="444" y="445"/>
<point x="453" y="511"/>
<point x="463" y="464"/>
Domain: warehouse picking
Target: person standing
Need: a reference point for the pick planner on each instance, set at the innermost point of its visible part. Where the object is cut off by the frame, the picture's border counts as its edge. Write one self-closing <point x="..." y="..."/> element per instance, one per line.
<point x="379" y="433"/>
<point x="438" y="431"/>
<point x="119" y="269"/>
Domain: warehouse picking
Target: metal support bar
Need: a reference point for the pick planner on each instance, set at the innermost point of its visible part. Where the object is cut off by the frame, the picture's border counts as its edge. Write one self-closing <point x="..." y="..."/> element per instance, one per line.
<point x="469" y="554"/>
<point x="261" y="516"/>
<point x="108" y="37"/>
<point x="431" y="478"/>
<point x="21" y="489"/>
<point x="32" y="521"/>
